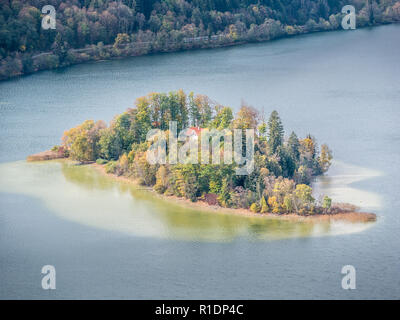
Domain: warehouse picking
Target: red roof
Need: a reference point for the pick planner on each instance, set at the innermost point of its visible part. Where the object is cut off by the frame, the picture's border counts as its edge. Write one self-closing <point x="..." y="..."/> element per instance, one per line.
<point x="196" y="130"/>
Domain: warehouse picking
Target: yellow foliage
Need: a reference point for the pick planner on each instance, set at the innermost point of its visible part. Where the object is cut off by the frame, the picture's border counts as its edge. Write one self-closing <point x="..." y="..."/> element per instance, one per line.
<point x="233" y="32"/>
<point x="288" y="203"/>
<point x="81" y="141"/>
<point x="325" y="158"/>
<point x="161" y="180"/>
<point x="289" y="30"/>
<point x="308" y="144"/>
<point x="264" y="205"/>
<point x="255" y="207"/>
<point x="273" y="204"/>
<point x="124" y="162"/>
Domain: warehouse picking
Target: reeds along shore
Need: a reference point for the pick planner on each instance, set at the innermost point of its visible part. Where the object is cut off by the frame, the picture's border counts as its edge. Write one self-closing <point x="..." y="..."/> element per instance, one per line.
<point x="46" y="155"/>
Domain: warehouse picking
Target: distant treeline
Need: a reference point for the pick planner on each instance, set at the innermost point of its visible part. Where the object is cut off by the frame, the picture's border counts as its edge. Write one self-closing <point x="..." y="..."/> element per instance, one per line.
<point x="102" y="29"/>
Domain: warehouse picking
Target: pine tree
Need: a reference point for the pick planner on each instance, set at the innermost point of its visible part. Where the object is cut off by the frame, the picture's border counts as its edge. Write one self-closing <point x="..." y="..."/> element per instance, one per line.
<point x="264" y="205"/>
<point x="293" y="147"/>
<point x="275" y="132"/>
<point x="224" y="195"/>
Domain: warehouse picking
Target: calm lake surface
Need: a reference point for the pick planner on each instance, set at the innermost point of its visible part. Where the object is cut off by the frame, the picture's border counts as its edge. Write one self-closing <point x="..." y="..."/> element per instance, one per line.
<point x="108" y="241"/>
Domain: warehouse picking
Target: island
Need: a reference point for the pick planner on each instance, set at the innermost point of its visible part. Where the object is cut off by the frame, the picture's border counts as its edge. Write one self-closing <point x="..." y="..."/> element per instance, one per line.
<point x="189" y="148"/>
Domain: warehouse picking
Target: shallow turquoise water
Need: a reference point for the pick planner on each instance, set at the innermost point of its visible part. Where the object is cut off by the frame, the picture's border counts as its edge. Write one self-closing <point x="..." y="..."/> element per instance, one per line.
<point x="343" y="87"/>
<point x="83" y="195"/>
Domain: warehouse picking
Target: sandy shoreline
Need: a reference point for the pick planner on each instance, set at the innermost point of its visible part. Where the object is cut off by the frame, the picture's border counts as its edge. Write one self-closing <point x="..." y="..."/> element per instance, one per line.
<point x="202" y="205"/>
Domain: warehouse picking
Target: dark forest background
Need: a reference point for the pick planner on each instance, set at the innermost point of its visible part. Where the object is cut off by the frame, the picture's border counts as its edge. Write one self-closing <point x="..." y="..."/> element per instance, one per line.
<point x="107" y="26"/>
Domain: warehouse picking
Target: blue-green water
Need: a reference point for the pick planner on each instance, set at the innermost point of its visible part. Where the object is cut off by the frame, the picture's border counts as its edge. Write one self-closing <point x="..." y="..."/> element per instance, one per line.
<point x="343" y="87"/>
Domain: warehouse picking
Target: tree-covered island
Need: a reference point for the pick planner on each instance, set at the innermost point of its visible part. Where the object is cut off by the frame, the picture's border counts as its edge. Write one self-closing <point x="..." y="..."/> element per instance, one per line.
<point x="279" y="182"/>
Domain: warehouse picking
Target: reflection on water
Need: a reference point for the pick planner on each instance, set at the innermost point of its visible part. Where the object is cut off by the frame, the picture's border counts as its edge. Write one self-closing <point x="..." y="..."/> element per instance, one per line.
<point x="82" y="194"/>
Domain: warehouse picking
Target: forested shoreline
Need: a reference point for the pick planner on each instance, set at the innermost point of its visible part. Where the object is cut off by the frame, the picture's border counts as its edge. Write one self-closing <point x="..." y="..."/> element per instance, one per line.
<point x="91" y="30"/>
<point x="284" y="166"/>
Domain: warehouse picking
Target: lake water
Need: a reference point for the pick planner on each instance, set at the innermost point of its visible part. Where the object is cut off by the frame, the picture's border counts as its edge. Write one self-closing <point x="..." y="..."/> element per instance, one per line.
<point x="109" y="241"/>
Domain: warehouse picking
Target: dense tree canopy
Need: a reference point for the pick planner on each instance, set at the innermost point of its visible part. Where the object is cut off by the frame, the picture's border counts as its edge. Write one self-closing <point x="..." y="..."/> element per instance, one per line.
<point x="279" y="183"/>
<point x="162" y="23"/>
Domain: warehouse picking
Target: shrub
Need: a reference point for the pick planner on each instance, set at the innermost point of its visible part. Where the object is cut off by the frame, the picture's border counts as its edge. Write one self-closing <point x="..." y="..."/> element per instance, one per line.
<point x="161" y="180"/>
<point x="264" y="205"/>
<point x="255" y="207"/>
<point x="274" y="205"/>
<point x="288" y="203"/>
<point x="327" y="203"/>
<point x="101" y="161"/>
<point x="111" y="167"/>
<point x="159" y="188"/>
